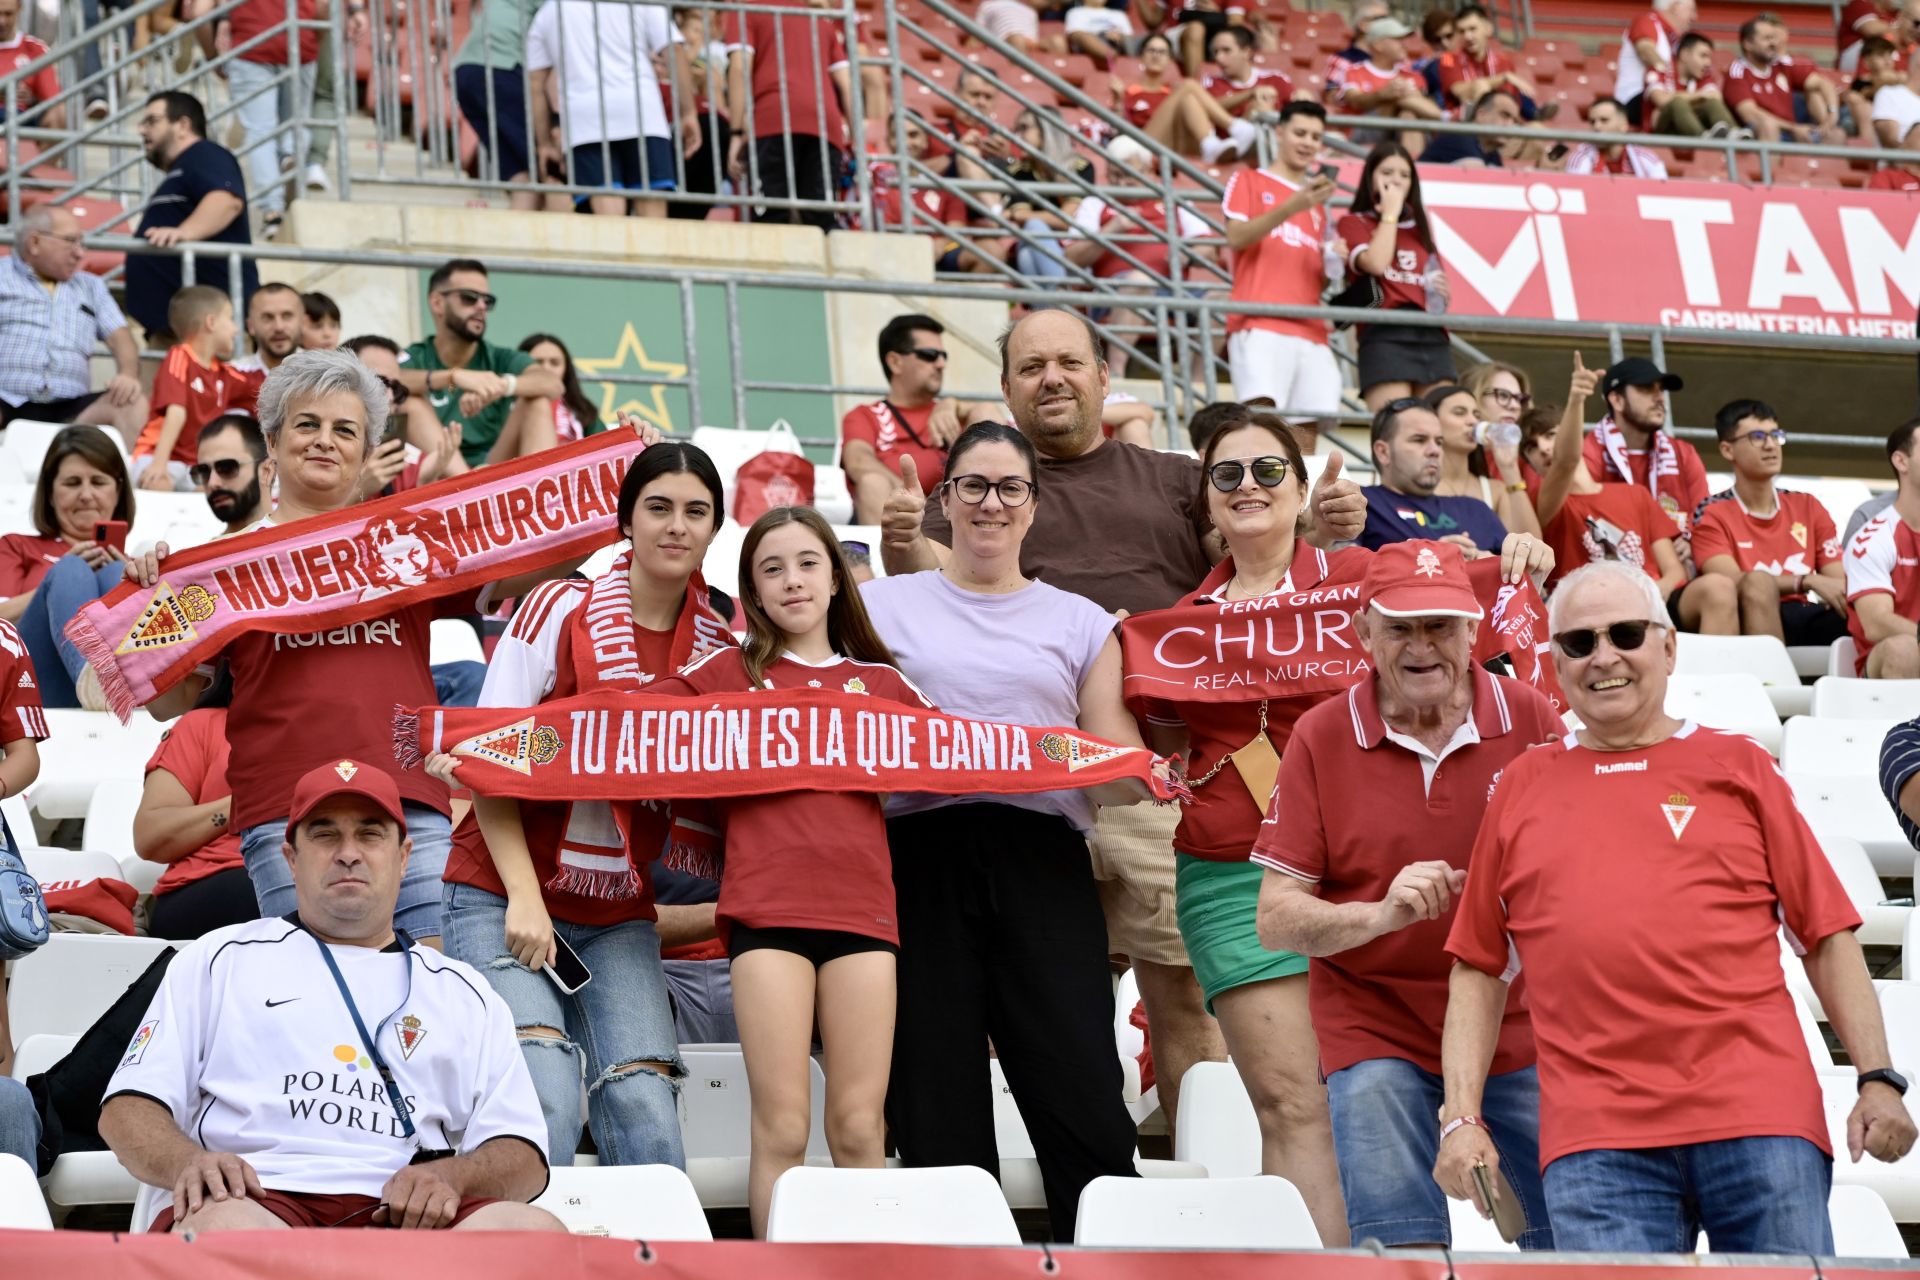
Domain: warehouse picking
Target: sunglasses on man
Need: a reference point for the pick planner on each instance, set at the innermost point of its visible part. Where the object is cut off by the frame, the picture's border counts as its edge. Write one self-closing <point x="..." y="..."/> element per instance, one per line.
<point x="472" y="298"/>
<point x="1625" y="637"/>
<point x="932" y="355"/>
<point x="226" y="469"/>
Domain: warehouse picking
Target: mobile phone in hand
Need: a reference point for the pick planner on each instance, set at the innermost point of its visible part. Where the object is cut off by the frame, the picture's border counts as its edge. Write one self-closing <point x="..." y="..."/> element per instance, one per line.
<point x="111" y="533"/>
<point x="567" y="972"/>
<point x="1503" y="1206"/>
<point x="1557" y="152"/>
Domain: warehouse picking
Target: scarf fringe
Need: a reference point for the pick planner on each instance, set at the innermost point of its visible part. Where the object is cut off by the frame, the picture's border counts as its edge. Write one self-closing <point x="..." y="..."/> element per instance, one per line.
<point x="692" y="860"/>
<point x="607" y="886"/>
<point x="406" y="738"/>
<point x="99" y="655"/>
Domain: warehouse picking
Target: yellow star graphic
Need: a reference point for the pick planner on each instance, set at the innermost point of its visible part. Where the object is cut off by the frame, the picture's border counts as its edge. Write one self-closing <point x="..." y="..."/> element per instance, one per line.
<point x="646" y="402"/>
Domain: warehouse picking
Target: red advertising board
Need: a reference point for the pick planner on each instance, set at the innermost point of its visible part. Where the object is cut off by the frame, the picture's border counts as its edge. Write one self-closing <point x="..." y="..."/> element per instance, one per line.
<point x="1695" y="255"/>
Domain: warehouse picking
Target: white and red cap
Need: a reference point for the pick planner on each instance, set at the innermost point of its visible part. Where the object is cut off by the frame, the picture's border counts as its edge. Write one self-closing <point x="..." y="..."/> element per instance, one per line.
<point x="1418" y="579"/>
<point x="346" y="778"/>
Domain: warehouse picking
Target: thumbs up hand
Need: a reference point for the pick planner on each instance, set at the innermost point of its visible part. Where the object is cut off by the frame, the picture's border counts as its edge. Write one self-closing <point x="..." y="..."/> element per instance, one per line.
<point x="1339" y="508"/>
<point x="900" y="517"/>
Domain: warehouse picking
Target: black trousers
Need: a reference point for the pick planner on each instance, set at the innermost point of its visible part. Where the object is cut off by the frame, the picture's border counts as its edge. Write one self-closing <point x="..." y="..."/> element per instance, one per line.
<point x="1002" y="938"/>
<point x="197" y="909"/>
<point x="816" y="171"/>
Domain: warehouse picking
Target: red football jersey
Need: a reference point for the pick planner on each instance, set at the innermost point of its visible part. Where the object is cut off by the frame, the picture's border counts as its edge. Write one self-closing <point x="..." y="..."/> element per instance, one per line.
<point x="1286" y="268"/>
<point x="804" y="859"/>
<point x="205" y="390"/>
<point x="1772" y="89"/>
<point x="1679" y="495"/>
<point x="1365" y="78"/>
<point x="1220" y="87"/>
<point x="1852" y="16"/>
<point x="1893" y="180"/>
<point x="1798" y="537"/>
<point x="1405" y="281"/>
<point x="1622" y="519"/>
<point x="1883" y="558"/>
<point x="895" y="433"/>
<point x="1457" y="68"/>
<point x="37" y="88"/>
<point x="1652" y="946"/>
<point x="21" y="715"/>
<point x="1138" y="102"/>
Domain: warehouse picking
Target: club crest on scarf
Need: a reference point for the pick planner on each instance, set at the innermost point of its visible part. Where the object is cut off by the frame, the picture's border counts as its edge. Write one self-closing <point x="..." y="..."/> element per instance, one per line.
<point x="168" y="619"/>
<point x="1076" y="753"/>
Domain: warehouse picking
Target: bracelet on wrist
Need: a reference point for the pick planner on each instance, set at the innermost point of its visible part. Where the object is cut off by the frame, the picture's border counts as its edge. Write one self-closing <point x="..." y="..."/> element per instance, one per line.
<point x="1458" y="1122"/>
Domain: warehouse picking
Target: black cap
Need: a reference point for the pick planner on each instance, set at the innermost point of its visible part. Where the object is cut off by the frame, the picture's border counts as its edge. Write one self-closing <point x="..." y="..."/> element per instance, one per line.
<point x="1636" y="371"/>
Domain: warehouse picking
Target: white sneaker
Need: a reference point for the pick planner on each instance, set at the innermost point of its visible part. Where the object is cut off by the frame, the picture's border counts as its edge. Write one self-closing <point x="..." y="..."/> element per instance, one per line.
<point x="317" y="178"/>
<point x="1210" y="148"/>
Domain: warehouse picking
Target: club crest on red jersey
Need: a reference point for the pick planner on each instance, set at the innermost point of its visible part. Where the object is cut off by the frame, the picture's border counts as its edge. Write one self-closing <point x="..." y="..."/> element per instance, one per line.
<point x="1678" y="813"/>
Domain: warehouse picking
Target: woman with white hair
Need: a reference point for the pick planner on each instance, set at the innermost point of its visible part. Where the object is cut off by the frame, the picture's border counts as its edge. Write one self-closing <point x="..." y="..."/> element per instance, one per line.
<point x="303" y="700"/>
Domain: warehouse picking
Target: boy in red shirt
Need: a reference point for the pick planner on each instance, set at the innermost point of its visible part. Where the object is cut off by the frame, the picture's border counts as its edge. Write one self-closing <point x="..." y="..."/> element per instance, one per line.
<point x="1779" y="547"/>
<point x="195" y="385"/>
<point x="17" y="49"/>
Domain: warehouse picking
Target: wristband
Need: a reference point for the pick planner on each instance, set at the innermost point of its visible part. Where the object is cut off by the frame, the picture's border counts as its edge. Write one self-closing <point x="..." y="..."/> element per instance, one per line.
<point x="1516" y="486"/>
<point x="1447" y="1129"/>
<point x="513" y="384"/>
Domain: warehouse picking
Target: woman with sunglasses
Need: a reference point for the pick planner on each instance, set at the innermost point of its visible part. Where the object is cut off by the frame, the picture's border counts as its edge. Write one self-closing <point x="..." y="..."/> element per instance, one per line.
<point x="1255" y="489"/>
<point x="1387" y="236"/>
<point x="1467" y="448"/>
<point x="1002" y="936"/>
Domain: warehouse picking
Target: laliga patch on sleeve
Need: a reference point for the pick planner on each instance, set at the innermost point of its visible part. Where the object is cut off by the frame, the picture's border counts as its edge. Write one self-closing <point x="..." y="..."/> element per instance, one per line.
<point x="137" y="1048"/>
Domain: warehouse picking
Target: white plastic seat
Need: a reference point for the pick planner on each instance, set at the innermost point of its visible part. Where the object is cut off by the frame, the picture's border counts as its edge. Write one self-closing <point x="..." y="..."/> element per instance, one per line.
<point x="85" y="747"/>
<point x="37" y="1053"/>
<point x="1900" y="1011"/>
<point x="22" y="1207"/>
<point x="1737" y="703"/>
<point x="1816" y="1042"/>
<point x="64" y="987"/>
<point x="69" y="867"/>
<point x="961" y="1205"/>
<point x="627" y="1202"/>
<point x="1828" y="745"/>
<point x="832" y="495"/>
<point x="1853" y="807"/>
<point x="78" y="1177"/>
<point x="109" y="823"/>
<point x="1880" y="926"/>
<point x="1218" y="1128"/>
<point x="1842" y="655"/>
<point x="1473" y="1233"/>
<point x="24" y="444"/>
<point x="1811" y="660"/>
<point x="1762" y="657"/>
<point x="721" y="567"/>
<point x="1863" y="1226"/>
<point x="181" y="520"/>
<point x="1910" y="949"/>
<point x="1862" y="699"/>
<point x="716" y="1122"/>
<point x="1207" y="1213"/>
<point x="453" y="640"/>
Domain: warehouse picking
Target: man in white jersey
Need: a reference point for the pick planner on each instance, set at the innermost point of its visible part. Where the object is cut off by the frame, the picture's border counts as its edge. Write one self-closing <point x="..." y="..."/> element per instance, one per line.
<point x="322" y="1070"/>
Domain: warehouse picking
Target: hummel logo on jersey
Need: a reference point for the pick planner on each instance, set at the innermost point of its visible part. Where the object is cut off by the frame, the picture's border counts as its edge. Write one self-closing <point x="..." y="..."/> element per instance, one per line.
<point x="275" y="1004"/>
<point x="1625" y="766"/>
<point x="1678" y="813"/>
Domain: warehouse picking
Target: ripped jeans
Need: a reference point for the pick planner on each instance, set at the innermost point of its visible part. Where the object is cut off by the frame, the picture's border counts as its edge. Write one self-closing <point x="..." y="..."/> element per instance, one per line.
<point x="611" y="1028"/>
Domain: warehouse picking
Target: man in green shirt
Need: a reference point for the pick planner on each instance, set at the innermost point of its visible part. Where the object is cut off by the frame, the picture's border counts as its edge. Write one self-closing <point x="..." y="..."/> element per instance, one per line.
<point x="498" y="401"/>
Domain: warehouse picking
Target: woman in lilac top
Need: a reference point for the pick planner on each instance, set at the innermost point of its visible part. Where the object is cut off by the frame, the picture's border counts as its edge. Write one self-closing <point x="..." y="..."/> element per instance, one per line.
<point x="1001" y="933"/>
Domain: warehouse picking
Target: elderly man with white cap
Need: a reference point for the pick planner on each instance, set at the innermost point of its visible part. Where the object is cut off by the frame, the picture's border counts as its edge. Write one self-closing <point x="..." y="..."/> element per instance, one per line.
<point x="1366" y="847"/>
<point x="1641" y="872"/>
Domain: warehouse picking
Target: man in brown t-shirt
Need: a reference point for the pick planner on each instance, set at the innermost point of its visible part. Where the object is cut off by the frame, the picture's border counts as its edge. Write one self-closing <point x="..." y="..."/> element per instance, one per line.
<point x="1128" y="529"/>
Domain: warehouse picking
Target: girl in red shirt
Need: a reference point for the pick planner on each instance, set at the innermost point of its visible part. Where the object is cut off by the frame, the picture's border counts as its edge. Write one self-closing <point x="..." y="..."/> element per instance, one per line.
<point x="1387" y="236"/>
<point x="806" y="898"/>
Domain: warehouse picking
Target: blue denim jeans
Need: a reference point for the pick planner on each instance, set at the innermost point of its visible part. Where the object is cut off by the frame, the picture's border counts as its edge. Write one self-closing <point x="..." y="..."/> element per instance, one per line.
<point x="19" y="1123"/>
<point x="619" y="1018"/>
<point x="1039" y="256"/>
<point x="1750" y="1195"/>
<point x="1386" y="1140"/>
<point x="263" y="107"/>
<point x="417" y="911"/>
<point x="68" y="587"/>
<point x="457" y="684"/>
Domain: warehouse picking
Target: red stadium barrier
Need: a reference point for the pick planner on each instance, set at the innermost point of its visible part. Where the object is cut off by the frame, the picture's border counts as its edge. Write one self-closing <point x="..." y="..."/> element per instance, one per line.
<point x="331" y="1255"/>
<point x="1688" y="255"/>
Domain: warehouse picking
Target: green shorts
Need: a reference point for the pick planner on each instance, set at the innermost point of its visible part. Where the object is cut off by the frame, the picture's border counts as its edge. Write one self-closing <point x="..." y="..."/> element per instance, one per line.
<point x="1217" y="903"/>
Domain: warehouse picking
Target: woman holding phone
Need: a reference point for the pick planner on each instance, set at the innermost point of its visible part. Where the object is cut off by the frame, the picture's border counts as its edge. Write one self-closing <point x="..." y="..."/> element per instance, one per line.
<point x="527" y="878"/>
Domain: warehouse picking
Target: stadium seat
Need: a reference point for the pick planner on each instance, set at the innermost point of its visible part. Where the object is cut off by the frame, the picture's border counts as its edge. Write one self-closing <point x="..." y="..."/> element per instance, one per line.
<point x="1842" y="654"/>
<point x="627" y="1202"/>
<point x="85" y="747"/>
<point x="1863" y="1227"/>
<point x="1846" y="698"/>
<point x="23" y="447"/>
<point x="1910" y="949"/>
<point x="109" y="824"/>
<point x="1821" y="745"/>
<point x="1218" y="1128"/>
<point x="1760" y="656"/>
<point x="37" y="1053"/>
<point x="69" y="866"/>
<point x="454" y="640"/>
<point x="22" y="1208"/>
<point x="716" y="1121"/>
<point x="1736" y="702"/>
<point x="1810" y="660"/>
<point x="1900" y="1010"/>
<point x="947" y="1206"/>
<point x="180" y="520"/>
<point x="1816" y="1040"/>
<point x="1881" y="926"/>
<point x="1207" y="1213"/>
<point x="64" y="987"/>
<point x="78" y="1177"/>
<point x="1853" y="807"/>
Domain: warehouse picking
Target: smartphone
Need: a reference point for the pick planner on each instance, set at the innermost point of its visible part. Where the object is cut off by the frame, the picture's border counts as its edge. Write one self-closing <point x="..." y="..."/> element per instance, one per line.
<point x="1509" y="1219"/>
<point x="111" y="533"/>
<point x="1327" y="171"/>
<point x="567" y="972"/>
<point x="1557" y="152"/>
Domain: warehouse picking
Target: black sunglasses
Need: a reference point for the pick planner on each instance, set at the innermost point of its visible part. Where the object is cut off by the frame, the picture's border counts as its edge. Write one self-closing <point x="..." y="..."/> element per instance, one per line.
<point x="226" y="469"/>
<point x="1268" y="472"/>
<point x="473" y="297"/>
<point x="932" y="355"/>
<point x="1624" y="636"/>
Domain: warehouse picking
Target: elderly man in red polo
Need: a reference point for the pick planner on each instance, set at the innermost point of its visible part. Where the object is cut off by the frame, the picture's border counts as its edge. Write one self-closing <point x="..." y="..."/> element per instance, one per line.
<point x="1365" y="846"/>
<point x="1640" y="873"/>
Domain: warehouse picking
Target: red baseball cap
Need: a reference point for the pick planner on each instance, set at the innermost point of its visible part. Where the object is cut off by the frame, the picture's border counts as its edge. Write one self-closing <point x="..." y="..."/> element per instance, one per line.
<point x="346" y="778"/>
<point x="1420" y="579"/>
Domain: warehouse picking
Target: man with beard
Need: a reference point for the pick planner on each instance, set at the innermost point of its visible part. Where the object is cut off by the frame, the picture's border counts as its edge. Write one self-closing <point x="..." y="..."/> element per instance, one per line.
<point x="232" y="469"/>
<point x="498" y="398"/>
<point x="1407" y="450"/>
<point x="276" y="321"/>
<point x="1128" y="529"/>
<point x="202" y="198"/>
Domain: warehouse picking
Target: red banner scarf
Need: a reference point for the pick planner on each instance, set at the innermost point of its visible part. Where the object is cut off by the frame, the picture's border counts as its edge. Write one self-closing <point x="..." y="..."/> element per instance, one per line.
<point x="1300" y="644"/>
<point x="608" y="746"/>
<point x="365" y="561"/>
<point x="591" y="860"/>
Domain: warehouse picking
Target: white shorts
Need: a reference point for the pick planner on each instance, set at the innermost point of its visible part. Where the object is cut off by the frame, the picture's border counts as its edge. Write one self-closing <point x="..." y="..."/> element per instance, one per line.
<point x="1101" y="22"/>
<point x="1300" y="376"/>
<point x="182" y="483"/>
<point x="1009" y="18"/>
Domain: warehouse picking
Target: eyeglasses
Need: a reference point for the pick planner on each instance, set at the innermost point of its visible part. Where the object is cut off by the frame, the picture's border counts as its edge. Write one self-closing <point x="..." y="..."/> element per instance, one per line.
<point x="932" y="355"/>
<point x="972" y="490"/>
<point x="74" y="239"/>
<point x="1510" y="399"/>
<point x="473" y="298"/>
<point x="1268" y="471"/>
<point x="226" y="469"/>
<point x="1756" y="438"/>
<point x="1623" y="636"/>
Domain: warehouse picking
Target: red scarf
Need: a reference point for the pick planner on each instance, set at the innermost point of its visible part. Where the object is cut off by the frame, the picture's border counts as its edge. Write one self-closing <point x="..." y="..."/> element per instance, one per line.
<point x="591" y="860"/>
<point x="613" y="746"/>
<point x="364" y="561"/>
<point x="1299" y="642"/>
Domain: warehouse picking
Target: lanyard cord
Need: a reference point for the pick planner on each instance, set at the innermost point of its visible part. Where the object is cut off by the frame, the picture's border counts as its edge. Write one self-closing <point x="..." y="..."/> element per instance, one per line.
<point x="394" y="1096"/>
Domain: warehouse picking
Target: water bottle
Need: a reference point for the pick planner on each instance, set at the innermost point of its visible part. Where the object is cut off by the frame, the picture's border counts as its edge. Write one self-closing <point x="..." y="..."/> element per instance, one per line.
<point x="1501" y="435"/>
<point x="1436" y="292"/>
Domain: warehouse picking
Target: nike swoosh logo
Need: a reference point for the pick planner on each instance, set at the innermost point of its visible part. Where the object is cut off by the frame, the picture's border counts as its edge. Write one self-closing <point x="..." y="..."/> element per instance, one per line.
<point x="275" y="1004"/>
